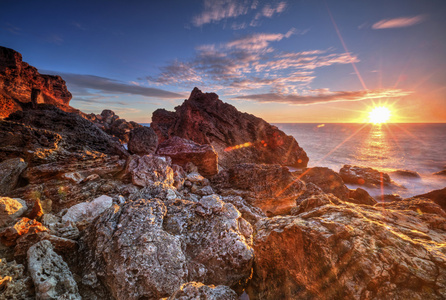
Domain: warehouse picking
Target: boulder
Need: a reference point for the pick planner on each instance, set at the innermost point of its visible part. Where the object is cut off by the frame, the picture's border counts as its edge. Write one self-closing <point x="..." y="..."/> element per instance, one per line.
<point x="9" y="235"/>
<point x="440" y="173"/>
<point x="406" y="173"/>
<point x="237" y="137"/>
<point x="142" y="141"/>
<point x="87" y="211"/>
<point x="148" y="249"/>
<point x="328" y="180"/>
<point x="438" y="196"/>
<point x="17" y="284"/>
<point x="183" y="151"/>
<point x="197" y="290"/>
<point x="149" y="169"/>
<point x="349" y="251"/>
<point x="18" y="80"/>
<point x="271" y="188"/>
<point x="361" y="196"/>
<point x="364" y="176"/>
<point x="10" y="171"/>
<point x="51" y="276"/>
<point x="10" y="210"/>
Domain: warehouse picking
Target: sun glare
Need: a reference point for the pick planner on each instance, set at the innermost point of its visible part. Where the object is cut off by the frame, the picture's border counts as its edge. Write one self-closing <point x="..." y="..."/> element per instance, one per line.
<point x="379" y="115"/>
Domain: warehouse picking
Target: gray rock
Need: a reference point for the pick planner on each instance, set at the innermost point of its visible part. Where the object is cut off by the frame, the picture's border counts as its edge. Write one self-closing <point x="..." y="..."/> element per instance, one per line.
<point x="87" y="211"/>
<point x="51" y="276"/>
<point x="149" y="169"/>
<point x="10" y="171"/>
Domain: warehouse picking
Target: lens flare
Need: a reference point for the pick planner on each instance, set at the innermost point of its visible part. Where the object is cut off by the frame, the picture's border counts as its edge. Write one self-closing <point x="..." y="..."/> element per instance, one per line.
<point x="379" y="115"/>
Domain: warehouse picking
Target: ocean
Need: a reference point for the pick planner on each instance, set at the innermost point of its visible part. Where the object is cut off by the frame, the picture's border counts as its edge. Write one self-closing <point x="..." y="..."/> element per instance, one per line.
<point x="386" y="147"/>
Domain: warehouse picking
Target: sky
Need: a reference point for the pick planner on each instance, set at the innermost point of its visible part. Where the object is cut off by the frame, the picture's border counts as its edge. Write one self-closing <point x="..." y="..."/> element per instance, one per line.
<point x="307" y="61"/>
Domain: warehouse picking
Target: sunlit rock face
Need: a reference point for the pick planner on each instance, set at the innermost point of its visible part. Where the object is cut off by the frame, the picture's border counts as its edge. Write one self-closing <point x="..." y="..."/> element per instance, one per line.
<point x="17" y="79"/>
<point x="328" y="180"/>
<point x="147" y="249"/>
<point x="349" y="251"/>
<point x="364" y="176"/>
<point x="237" y="137"/>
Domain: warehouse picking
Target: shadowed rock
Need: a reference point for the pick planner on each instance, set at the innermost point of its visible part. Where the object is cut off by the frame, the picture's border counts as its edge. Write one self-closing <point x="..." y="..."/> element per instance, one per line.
<point x="364" y="176"/>
<point x="10" y="171"/>
<point x="142" y="141"/>
<point x="438" y="196"/>
<point x="328" y="180"/>
<point x="237" y="137"/>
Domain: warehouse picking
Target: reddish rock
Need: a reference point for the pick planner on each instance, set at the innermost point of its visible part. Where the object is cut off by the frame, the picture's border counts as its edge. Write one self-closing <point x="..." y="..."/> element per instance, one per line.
<point x="9" y="235"/>
<point x="197" y="290"/>
<point x="237" y="137"/>
<point x="328" y="180"/>
<point x="10" y="171"/>
<point x="364" y="176"/>
<point x="183" y="151"/>
<point x="271" y="188"/>
<point x="18" y="79"/>
<point x="407" y="173"/>
<point x="438" y="196"/>
<point x="142" y="141"/>
<point x="361" y="196"/>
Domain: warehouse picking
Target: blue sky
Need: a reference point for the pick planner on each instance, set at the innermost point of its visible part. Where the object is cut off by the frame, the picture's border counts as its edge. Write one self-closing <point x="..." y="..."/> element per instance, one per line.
<point x="285" y="61"/>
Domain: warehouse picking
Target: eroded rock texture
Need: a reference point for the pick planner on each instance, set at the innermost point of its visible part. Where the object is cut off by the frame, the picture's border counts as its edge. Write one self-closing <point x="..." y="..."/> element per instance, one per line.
<point x="347" y="251"/>
<point x="142" y="141"/>
<point x="328" y="180"/>
<point x="364" y="176"/>
<point x="197" y="290"/>
<point x="237" y="137"/>
<point x="148" y="249"/>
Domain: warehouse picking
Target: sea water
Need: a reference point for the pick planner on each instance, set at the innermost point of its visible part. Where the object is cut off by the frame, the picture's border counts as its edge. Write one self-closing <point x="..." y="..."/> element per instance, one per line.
<point x="386" y="147"/>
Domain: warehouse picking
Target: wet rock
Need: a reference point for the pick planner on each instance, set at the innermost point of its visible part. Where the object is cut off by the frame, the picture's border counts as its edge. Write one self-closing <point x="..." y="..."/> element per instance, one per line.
<point x="441" y="173"/>
<point x="10" y="210"/>
<point x="183" y="151"/>
<point x="361" y="196"/>
<point x="9" y="235"/>
<point x="10" y="171"/>
<point x="438" y="196"/>
<point x="51" y="276"/>
<point x="364" y="176"/>
<point x="236" y="137"/>
<point x="388" y="198"/>
<point x="17" y="285"/>
<point x="149" y="169"/>
<point x="328" y="180"/>
<point x="406" y="173"/>
<point x="87" y="211"/>
<point x="271" y="188"/>
<point x="197" y="290"/>
<point x="350" y="251"/>
<point x="142" y="140"/>
<point x="148" y="248"/>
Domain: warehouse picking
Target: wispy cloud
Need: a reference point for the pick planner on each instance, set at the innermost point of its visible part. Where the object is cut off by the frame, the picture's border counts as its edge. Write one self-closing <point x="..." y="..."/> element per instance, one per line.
<point x="268" y="11"/>
<point x="11" y="28"/>
<point x="54" y="39"/>
<point x="324" y="96"/>
<point x="112" y="86"/>
<point x="399" y="22"/>
<point x="78" y="26"/>
<point x="217" y="10"/>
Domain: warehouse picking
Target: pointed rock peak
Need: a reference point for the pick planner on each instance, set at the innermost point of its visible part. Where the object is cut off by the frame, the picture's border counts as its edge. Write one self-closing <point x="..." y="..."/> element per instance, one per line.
<point x="199" y="96"/>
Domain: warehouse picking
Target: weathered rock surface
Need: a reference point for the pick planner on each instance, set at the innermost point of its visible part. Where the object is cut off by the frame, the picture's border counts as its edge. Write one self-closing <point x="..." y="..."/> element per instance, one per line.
<point x="10" y="210"/>
<point x="237" y="137"/>
<point x="17" y="285"/>
<point x="149" y="170"/>
<point x="271" y="188"/>
<point x="148" y="249"/>
<point x="10" y="171"/>
<point x="109" y="122"/>
<point x="51" y="276"/>
<point x="183" y="151"/>
<point x="328" y="180"/>
<point x="438" y="196"/>
<point x="142" y="141"/>
<point x="17" y="79"/>
<point x="364" y="176"/>
<point x="87" y="211"/>
<point x="361" y="196"/>
<point x="350" y="251"/>
<point x="9" y="235"/>
<point x="407" y="173"/>
<point x="197" y="290"/>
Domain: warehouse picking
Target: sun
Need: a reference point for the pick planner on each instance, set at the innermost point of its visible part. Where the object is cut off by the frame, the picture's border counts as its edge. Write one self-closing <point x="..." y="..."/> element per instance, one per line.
<point x="379" y="115"/>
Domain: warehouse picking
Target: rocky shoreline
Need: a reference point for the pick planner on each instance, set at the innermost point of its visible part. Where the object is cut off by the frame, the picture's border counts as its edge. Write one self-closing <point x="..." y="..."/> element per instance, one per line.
<point x="201" y="205"/>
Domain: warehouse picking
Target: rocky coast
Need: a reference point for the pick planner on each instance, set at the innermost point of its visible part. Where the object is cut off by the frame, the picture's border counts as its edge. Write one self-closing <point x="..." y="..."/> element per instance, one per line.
<point x="200" y="205"/>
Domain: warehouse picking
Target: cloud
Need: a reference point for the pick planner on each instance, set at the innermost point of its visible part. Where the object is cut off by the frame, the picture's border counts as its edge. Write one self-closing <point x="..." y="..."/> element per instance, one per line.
<point x="12" y="29"/>
<point x="399" y="22"/>
<point x="268" y="11"/>
<point x="323" y="96"/>
<point x="258" y="41"/>
<point x="217" y="10"/>
<point x="112" y="86"/>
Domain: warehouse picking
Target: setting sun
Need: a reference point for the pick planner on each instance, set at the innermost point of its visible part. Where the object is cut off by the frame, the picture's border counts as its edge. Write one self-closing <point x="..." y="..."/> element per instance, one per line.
<point x="379" y="115"/>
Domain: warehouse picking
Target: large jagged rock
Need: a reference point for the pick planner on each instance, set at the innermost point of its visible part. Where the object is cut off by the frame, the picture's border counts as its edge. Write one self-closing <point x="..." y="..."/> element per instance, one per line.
<point x="10" y="210"/>
<point x="51" y="276"/>
<point x="197" y="290"/>
<point x="272" y="188"/>
<point x="438" y="196"/>
<point x="328" y="180"/>
<point x="237" y="137"/>
<point x="142" y="141"/>
<point x="15" y="283"/>
<point x="364" y="176"/>
<point x="349" y="251"/>
<point x="147" y="249"/>
<point x="183" y="151"/>
<point x="149" y="169"/>
<point x="109" y="122"/>
<point x="18" y="79"/>
<point x="10" y="171"/>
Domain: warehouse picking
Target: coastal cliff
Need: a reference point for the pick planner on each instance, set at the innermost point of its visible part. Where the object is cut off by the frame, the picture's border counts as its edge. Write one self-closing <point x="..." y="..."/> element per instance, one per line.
<point x="81" y="217"/>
